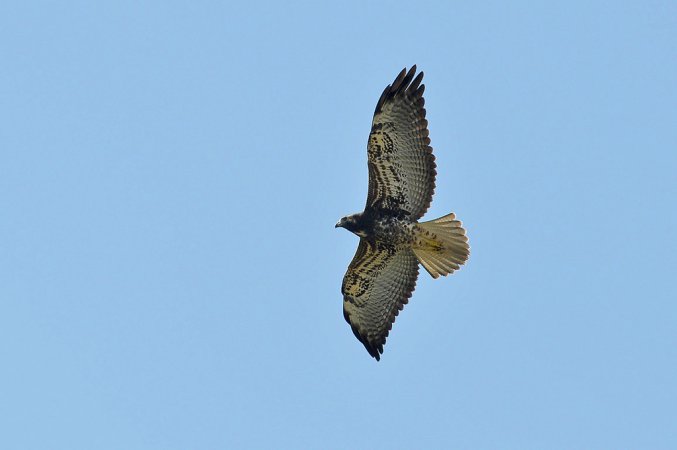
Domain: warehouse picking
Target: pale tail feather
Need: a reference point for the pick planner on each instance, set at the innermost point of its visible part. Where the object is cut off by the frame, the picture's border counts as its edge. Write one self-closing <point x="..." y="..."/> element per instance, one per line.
<point x="441" y="245"/>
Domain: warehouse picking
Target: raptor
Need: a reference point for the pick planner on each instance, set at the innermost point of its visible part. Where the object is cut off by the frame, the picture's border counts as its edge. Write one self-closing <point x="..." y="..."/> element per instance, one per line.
<point x="382" y="275"/>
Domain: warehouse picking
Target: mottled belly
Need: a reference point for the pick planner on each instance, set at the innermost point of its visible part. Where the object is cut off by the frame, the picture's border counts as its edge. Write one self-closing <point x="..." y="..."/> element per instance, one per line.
<point x="394" y="231"/>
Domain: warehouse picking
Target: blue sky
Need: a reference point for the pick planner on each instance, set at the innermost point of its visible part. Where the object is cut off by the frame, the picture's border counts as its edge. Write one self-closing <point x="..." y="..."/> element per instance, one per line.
<point x="170" y="176"/>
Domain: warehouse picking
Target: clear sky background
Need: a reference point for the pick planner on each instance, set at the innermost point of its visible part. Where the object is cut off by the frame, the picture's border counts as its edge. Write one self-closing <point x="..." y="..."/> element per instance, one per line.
<point x="170" y="177"/>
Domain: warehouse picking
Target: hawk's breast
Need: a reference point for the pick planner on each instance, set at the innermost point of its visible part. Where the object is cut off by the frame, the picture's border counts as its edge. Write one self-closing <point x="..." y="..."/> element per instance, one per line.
<point x="394" y="230"/>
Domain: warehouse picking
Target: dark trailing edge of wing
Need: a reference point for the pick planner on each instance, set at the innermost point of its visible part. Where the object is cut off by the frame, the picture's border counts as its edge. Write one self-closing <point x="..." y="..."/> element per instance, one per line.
<point x="403" y="84"/>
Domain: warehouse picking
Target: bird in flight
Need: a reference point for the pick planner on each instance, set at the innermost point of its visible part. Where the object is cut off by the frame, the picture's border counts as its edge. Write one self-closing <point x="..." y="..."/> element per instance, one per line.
<point x="382" y="275"/>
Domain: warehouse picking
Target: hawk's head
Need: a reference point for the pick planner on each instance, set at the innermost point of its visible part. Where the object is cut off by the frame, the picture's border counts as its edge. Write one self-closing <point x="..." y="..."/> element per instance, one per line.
<point x="352" y="223"/>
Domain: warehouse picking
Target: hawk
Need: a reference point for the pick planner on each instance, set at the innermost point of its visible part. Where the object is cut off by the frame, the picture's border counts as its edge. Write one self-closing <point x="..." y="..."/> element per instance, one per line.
<point x="383" y="272"/>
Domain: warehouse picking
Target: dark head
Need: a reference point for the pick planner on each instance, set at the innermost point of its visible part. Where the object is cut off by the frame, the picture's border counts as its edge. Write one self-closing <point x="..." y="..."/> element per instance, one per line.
<point x="352" y="223"/>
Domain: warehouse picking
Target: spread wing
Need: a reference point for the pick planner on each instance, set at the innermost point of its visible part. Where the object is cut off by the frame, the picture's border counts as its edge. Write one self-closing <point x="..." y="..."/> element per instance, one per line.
<point x="377" y="285"/>
<point x="400" y="159"/>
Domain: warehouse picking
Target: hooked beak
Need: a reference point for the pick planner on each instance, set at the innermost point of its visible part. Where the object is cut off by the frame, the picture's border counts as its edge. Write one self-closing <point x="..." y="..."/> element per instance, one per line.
<point x="338" y="224"/>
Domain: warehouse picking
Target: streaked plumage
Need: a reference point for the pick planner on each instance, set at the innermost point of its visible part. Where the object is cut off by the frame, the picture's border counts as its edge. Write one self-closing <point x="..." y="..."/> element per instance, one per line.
<point x="383" y="272"/>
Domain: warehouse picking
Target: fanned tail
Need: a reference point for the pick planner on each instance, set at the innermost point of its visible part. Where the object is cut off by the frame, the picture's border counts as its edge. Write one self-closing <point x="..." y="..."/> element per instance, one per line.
<point x="441" y="245"/>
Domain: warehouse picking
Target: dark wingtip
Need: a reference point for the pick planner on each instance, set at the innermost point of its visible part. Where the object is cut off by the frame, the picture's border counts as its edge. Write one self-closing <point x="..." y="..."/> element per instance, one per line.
<point x="373" y="351"/>
<point x="403" y="84"/>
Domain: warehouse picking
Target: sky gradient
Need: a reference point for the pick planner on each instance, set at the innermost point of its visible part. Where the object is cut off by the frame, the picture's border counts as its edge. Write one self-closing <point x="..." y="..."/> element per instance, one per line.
<point x="170" y="177"/>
